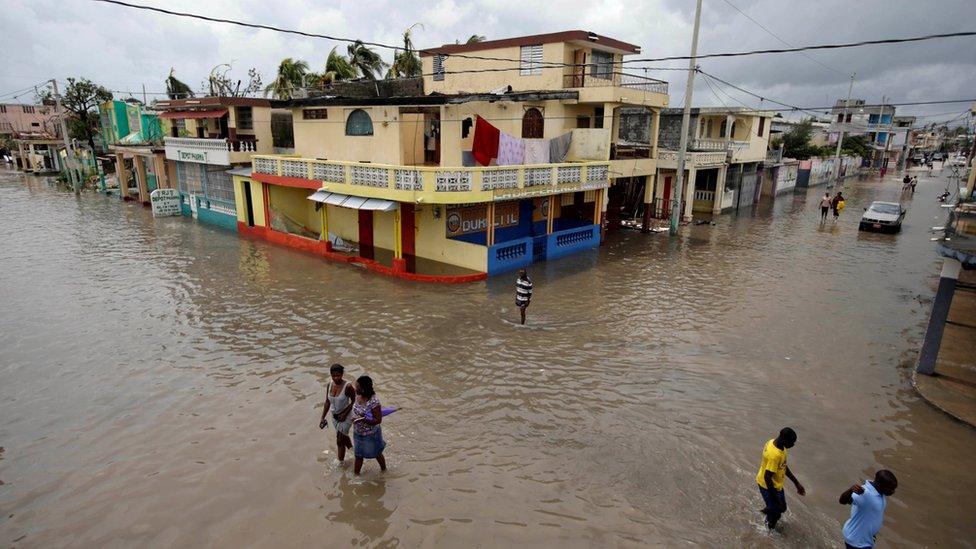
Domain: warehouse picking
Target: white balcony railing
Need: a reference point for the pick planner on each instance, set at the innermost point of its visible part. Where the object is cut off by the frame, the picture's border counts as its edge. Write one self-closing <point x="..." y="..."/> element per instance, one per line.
<point x="708" y="144"/>
<point x="669" y="159"/>
<point x="439" y="185"/>
<point x="207" y="151"/>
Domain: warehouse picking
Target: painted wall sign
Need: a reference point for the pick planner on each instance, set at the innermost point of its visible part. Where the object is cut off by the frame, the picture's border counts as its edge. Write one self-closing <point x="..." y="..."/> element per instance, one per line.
<point x="472" y="219"/>
<point x="165" y="202"/>
<point x="216" y="157"/>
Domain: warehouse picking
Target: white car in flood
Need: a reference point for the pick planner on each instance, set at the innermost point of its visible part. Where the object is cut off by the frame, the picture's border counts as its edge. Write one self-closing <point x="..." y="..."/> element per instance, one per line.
<point x="882" y="216"/>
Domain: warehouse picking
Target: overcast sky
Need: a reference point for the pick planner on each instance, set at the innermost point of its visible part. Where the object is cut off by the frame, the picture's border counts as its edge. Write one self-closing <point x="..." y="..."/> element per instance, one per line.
<point x="123" y="49"/>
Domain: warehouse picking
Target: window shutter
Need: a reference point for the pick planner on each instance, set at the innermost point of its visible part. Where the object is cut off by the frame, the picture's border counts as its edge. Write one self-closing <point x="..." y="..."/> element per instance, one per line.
<point x="438" y="67"/>
<point x="530" y="60"/>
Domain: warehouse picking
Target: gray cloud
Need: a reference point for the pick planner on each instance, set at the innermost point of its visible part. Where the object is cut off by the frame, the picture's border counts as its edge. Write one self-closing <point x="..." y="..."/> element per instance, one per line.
<point x="124" y="49"/>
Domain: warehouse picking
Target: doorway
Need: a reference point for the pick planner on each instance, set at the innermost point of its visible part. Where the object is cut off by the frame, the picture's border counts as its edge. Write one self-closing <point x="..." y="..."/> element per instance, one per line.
<point x="248" y="203"/>
<point x="533" y="124"/>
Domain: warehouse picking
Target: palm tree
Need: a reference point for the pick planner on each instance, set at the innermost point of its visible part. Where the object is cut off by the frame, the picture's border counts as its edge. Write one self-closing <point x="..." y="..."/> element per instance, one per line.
<point x="337" y="69"/>
<point x="176" y="89"/>
<point x="290" y="73"/>
<point x="473" y="39"/>
<point x="366" y="60"/>
<point x="406" y="63"/>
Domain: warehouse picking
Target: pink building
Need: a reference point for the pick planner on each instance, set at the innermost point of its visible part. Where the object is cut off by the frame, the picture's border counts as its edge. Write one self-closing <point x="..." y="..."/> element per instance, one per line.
<point x="36" y="133"/>
<point x="19" y="118"/>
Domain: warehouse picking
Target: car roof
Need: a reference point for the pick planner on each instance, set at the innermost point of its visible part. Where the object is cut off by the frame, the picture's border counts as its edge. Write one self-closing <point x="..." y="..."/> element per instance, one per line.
<point x="886" y="203"/>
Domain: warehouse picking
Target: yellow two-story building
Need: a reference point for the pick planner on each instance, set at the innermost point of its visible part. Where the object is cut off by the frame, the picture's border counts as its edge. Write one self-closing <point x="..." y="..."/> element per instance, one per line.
<point x="505" y="158"/>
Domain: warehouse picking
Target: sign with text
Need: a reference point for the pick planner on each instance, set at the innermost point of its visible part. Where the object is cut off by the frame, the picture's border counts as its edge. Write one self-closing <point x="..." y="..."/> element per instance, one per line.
<point x="463" y="220"/>
<point x="214" y="156"/>
<point x="166" y="202"/>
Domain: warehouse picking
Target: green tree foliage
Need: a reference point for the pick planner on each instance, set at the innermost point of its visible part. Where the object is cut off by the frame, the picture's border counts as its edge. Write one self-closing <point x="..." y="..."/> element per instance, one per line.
<point x="291" y="73"/>
<point x="796" y="142"/>
<point x="337" y="69"/>
<point x="80" y="101"/>
<point x="473" y="39"/>
<point x="853" y="145"/>
<point x="367" y="61"/>
<point x="406" y="63"/>
<point x="175" y="89"/>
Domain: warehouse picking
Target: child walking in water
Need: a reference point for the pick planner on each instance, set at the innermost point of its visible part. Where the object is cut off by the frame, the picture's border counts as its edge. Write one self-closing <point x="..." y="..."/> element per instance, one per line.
<point x="367" y="433"/>
<point x="338" y="398"/>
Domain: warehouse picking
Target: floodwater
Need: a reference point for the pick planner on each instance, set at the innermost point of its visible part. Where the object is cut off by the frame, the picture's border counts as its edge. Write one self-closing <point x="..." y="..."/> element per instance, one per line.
<point x="161" y="384"/>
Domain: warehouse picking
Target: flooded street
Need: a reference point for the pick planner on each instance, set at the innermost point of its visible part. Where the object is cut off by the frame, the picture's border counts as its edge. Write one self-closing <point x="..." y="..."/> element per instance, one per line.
<point x="161" y="384"/>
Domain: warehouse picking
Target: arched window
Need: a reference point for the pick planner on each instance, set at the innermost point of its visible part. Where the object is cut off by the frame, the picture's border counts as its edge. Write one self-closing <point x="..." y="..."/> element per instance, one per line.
<point x="732" y="132"/>
<point x="532" y="124"/>
<point x="701" y="129"/>
<point x="359" y="123"/>
<point x="722" y="128"/>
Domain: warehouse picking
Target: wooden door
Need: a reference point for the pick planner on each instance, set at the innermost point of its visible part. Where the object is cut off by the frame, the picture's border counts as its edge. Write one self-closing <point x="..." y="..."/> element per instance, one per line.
<point x="579" y="68"/>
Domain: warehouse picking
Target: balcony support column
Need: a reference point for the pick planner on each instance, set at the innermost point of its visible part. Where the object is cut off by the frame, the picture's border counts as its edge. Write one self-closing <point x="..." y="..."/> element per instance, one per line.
<point x="32" y="156"/>
<point x="719" y="190"/>
<point x="650" y="185"/>
<point x="122" y="175"/>
<point x="140" y="168"/>
<point x="22" y="156"/>
<point x="490" y="214"/>
<point x="689" y="189"/>
<point x="550" y="211"/>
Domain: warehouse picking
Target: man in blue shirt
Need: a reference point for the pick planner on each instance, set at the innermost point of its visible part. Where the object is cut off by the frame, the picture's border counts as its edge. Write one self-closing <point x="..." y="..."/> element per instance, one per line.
<point x="867" y="503"/>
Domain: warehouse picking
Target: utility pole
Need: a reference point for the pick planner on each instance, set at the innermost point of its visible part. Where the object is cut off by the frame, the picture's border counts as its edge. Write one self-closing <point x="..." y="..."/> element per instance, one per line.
<point x="69" y="154"/>
<point x="685" y="122"/>
<point x="144" y="100"/>
<point x="884" y="151"/>
<point x="840" y="135"/>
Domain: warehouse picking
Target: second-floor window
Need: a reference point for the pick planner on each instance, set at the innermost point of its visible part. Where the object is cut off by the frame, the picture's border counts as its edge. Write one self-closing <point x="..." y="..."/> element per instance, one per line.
<point x="245" y="118"/>
<point x="3" y="109"/>
<point x="601" y="65"/>
<point x="359" y="123"/>
<point x="315" y="114"/>
<point x="28" y="109"/>
<point x="530" y="60"/>
<point x="762" y="126"/>
<point x="438" y="67"/>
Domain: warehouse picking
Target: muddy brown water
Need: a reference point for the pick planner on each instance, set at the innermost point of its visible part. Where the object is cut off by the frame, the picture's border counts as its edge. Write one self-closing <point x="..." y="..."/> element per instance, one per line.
<point x="161" y="383"/>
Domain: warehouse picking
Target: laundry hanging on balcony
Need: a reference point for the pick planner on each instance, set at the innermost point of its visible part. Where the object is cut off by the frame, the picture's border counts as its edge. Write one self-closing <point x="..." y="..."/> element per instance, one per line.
<point x="511" y="150"/>
<point x="486" y="138"/>
<point x="537" y="151"/>
<point x="559" y="147"/>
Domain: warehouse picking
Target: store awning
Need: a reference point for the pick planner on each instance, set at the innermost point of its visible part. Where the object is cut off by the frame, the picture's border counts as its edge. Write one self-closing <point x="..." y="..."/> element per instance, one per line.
<point x="194" y="114"/>
<point x="353" y="202"/>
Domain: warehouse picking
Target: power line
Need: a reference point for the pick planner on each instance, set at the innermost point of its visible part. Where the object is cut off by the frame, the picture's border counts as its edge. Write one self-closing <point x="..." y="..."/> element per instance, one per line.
<point x="803" y="48"/>
<point x="546" y="63"/>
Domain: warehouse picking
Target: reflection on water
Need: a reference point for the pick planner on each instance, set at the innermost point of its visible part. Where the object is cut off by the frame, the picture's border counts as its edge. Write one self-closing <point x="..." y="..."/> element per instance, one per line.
<point x="160" y="383"/>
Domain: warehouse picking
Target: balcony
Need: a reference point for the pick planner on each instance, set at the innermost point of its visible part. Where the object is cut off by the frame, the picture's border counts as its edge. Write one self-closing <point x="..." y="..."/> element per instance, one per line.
<point x="706" y="144"/>
<point x="668" y="160"/>
<point x="220" y="152"/>
<point x="432" y="185"/>
<point x="618" y="87"/>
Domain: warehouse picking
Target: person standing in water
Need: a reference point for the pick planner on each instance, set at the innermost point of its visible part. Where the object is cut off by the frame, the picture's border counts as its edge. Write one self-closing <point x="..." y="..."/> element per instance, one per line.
<point x="825" y="204"/>
<point x="338" y="398"/>
<point x="523" y="292"/>
<point x="772" y="473"/>
<point x="867" y="503"/>
<point x="837" y="204"/>
<point x="367" y="433"/>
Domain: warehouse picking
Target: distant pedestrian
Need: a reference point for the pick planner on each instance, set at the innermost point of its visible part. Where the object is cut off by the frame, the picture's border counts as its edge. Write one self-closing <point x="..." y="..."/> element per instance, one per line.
<point x="339" y="396"/>
<point x="825" y="204"/>
<point x="868" y="502"/>
<point x="367" y="433"/>
<point x="772" y="474"/>
<point x="914" y="182"/>
<point x="905" y="182"/>
<point x="523" y="292"/>
<point x="838" y="204"/>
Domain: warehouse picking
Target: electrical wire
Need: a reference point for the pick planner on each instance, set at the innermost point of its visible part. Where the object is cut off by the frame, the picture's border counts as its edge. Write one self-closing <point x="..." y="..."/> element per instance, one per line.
<point x="546" y="63"/>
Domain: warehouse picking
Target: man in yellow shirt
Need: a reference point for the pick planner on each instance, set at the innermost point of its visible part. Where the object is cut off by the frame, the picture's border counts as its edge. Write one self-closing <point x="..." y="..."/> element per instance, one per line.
<point x="772" y="472"/>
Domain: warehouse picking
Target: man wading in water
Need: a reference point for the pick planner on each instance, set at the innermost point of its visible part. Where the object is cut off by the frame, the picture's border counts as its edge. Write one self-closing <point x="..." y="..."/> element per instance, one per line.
<point x="772" y="470"/>
<point x="339" y="396"/>
<point x="523" y="292"/>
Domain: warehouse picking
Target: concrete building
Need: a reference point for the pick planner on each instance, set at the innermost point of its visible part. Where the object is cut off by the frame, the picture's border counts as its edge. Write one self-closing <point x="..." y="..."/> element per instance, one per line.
<point x="876" y="122"/>
<point x="726" y="150"/>
<point x="35" y="132"/>
<point x="205" y="138"/>
<point x="134" y="136"/>
<point x="393" y="182"/>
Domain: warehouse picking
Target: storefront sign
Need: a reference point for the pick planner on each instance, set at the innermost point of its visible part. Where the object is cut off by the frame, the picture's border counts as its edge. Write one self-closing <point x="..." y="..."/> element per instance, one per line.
<point x="463" y="220"/>
<point x="199" y="155"/>
<point x="165" y="202"/>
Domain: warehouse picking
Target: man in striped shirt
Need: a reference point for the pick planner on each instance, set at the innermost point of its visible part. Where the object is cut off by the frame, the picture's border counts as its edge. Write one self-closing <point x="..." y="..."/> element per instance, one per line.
<point x="523" y="292"/>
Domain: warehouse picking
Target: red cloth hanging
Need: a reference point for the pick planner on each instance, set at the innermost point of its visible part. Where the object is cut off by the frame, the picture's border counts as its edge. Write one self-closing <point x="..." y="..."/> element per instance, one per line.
<point x="485" y="145"/>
